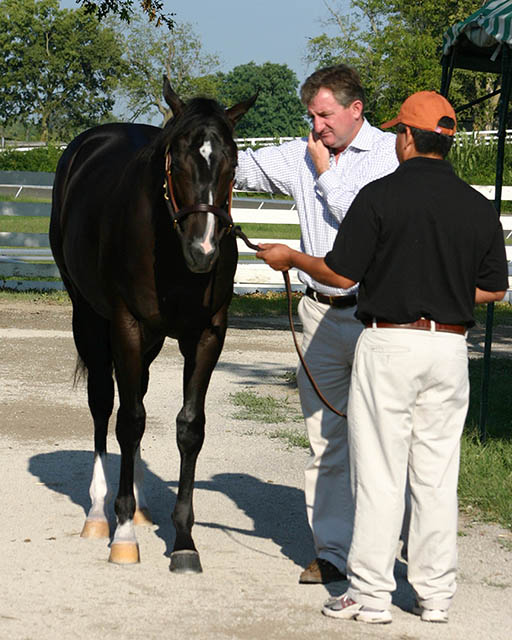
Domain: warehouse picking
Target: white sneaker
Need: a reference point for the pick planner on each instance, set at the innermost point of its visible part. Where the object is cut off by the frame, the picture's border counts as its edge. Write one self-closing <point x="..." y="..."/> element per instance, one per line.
<point x="430" y="615"/>
<point x="345" y="608"/>
<point x="374" y="616"/>
<point x="341" y="607"/>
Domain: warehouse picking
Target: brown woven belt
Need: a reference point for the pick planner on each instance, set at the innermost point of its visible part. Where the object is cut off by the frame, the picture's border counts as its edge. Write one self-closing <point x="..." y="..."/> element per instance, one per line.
<point x="423" y="324"/>
<point x="340" y="302"/>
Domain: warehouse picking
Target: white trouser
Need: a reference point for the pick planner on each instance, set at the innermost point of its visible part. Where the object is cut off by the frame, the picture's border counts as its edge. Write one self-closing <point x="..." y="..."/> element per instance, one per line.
<point x="329" y="339"/>
<point x="408" y="403"/>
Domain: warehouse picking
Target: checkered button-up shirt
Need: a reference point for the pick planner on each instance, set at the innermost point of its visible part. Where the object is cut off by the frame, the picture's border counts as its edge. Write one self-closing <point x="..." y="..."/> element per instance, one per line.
<point x="322" y="201"/>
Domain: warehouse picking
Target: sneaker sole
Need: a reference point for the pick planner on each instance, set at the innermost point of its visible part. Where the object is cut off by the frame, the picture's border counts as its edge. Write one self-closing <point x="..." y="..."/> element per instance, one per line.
<point x="374" y="618"/>
<point x="430" y="615"/>
<point x="349" y="613"/>
<point x="436" y="619"/>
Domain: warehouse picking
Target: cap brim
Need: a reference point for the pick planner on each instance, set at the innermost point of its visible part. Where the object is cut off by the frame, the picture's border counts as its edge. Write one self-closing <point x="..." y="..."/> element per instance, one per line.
<point x="390" y="123"/>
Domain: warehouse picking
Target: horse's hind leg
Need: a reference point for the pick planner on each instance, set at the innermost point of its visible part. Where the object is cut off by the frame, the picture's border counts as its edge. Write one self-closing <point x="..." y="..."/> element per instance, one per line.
<point x="92" y="339"/>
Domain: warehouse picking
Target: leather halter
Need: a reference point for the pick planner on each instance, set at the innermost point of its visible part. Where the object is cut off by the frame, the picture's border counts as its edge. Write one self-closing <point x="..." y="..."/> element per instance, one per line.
<point x="178" y="214"/>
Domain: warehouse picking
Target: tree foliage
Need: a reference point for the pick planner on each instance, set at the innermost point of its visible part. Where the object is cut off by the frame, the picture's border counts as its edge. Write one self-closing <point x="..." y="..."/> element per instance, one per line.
<point x="151" y="52"/>
<point x="396" y="47"/>
<point x="59" y="67"/>
<point x="277" y="111"/>
<point x="124" y="9"/>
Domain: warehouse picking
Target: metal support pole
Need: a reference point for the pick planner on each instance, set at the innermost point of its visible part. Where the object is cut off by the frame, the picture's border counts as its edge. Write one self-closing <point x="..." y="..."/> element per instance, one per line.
<point x="446" y="78"/>
<point x="506" y="69"/>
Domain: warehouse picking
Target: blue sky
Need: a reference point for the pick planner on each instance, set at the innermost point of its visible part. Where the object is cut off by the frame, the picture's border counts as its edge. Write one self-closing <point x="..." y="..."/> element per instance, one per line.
<point x="260" y="30"/>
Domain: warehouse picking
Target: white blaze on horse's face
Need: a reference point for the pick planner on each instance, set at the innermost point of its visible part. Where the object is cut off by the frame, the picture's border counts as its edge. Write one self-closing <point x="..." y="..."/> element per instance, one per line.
<point x="206" y="243"/>
<point x="206" y="151"/>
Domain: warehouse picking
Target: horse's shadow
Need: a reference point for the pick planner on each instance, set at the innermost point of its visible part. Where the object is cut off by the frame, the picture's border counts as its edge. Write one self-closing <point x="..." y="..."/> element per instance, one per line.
<point x="277" y="511"/>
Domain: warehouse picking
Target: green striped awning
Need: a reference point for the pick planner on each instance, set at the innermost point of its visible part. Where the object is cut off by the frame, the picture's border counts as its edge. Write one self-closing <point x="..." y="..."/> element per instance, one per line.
<point x="488" y="27"/>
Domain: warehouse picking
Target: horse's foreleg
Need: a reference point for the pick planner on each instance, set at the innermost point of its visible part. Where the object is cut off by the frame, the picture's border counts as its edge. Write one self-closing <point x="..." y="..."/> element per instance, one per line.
<point x="201" y="354"/>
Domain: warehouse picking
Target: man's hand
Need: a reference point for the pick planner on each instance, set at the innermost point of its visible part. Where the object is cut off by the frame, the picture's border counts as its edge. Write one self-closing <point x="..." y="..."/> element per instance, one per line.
<point x="319" y="153"/>
<point x="281" y="257"/>
<point x="277" y="256"/>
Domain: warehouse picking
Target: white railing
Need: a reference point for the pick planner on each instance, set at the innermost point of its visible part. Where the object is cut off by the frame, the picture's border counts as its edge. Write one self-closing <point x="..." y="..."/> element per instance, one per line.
<point x="480" y="137"/>
<point x="27" y="255"/>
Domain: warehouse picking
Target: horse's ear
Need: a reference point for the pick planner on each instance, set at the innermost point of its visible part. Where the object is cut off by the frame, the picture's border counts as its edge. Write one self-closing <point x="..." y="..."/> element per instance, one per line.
<point x="238" y="110"/>
<point x="172" y="98"/>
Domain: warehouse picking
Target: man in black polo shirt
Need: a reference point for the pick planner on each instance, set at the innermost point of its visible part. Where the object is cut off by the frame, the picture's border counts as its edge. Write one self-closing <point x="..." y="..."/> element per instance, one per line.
<point x="424" y="247"/>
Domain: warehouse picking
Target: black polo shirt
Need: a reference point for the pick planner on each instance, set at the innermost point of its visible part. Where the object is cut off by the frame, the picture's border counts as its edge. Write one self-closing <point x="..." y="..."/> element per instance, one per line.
<point x="419" y="241"/>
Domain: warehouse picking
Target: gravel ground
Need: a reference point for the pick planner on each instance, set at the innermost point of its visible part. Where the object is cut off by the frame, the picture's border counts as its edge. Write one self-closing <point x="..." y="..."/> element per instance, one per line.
<point x="250" y="523"/>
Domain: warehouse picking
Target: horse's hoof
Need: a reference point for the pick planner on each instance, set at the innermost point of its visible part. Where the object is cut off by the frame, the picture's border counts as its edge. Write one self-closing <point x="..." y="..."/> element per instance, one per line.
<point x="185" y="561"/>
<point x="95" y="529"/>
<point x="142" y="517"/>
<point x="124" y="553"/>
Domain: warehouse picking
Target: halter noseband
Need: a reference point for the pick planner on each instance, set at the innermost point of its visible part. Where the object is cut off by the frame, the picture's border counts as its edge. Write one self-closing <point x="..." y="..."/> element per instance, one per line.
<point x="178" y="214"/>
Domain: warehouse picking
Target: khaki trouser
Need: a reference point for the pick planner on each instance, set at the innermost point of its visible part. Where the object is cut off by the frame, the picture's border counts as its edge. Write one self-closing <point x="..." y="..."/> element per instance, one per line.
<point x="408" y="403"/>
<point x="329" y="339"/>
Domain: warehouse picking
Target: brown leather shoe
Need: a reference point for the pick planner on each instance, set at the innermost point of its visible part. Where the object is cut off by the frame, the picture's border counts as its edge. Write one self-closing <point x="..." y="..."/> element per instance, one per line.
<point x="321" y="571"/>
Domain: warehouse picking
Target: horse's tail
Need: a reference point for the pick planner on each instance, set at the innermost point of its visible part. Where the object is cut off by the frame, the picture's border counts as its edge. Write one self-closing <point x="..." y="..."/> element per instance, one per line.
<point x="80" y="372"/>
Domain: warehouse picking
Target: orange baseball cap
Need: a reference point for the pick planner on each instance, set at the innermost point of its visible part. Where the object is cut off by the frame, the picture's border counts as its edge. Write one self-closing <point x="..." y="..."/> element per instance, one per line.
<point x="423" y="110"/>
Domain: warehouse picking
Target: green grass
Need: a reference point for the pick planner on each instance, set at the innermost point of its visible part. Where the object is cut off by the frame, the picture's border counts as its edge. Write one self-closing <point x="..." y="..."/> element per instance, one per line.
<point x="502" y="315"/>
<point x="21" y="198"/>
<point x="485" y="479"/>
<point x="24" y="224"/>
<point x="283" y="231"/>
<point x="270" y="304"/>
<point x="499" y="420"/>
<point x="268" y="409"/>
<point x="292" y="437"/>
<point x="35" y="297"/>
<point x="40" y="224"/>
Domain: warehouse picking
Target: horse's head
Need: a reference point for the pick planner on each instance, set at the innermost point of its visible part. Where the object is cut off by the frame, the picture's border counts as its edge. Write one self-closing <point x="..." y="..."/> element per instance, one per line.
<point x="200" y="161"/>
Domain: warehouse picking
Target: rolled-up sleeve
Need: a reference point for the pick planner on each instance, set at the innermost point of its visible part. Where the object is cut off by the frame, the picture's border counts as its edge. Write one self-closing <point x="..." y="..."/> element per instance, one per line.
<point x="493" y="271"/>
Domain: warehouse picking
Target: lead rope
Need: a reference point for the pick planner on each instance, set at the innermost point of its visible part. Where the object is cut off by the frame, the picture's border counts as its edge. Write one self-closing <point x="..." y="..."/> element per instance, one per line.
<point x="286" y="276"/>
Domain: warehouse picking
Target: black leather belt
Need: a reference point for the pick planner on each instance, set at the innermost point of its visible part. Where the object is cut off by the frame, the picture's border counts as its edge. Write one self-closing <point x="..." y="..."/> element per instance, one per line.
<point x="423" y="324"/>
<point x="341" y="302"/>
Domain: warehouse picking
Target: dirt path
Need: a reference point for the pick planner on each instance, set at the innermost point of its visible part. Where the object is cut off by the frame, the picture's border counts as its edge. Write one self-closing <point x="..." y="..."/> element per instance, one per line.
<point x="250" y="524"/>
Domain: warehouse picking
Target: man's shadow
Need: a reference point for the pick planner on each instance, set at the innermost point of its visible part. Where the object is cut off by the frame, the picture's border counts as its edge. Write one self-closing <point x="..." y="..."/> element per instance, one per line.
<point x="277" y="511"/>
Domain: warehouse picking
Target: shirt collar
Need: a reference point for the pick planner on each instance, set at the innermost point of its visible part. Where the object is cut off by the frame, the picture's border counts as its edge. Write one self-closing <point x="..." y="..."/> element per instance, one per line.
<point x="364" y="138"/>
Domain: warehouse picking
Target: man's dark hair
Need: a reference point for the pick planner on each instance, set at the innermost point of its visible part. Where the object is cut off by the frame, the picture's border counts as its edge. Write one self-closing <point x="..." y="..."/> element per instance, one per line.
<point x="342" y="80"/>
<point x="430" y="141"/>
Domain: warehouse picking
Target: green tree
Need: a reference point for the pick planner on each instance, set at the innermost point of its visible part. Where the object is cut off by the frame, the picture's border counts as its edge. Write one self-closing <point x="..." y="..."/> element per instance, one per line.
<point x="277" y="111"/>
<point x="151" y="52"/>
<point x="125" y="10"/>
<point x="59" y="68"/>
<point x="396" y="47"/>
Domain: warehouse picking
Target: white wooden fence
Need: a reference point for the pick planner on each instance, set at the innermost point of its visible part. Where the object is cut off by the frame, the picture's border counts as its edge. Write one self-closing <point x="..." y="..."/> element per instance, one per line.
<point x="24" y="256"/>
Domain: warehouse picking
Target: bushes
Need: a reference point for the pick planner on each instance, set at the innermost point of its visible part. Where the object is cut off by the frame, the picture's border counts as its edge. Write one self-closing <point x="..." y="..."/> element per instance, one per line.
<point x="39" y="159"/>
<point x="475" y="163"/>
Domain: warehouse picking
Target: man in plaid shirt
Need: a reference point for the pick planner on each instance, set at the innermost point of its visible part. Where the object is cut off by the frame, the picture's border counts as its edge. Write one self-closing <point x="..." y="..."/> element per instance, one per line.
<point x="324" y="173"/>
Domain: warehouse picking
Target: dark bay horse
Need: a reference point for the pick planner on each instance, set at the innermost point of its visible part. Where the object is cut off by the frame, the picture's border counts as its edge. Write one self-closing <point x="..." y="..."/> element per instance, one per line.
<point x="140" y="231"/>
